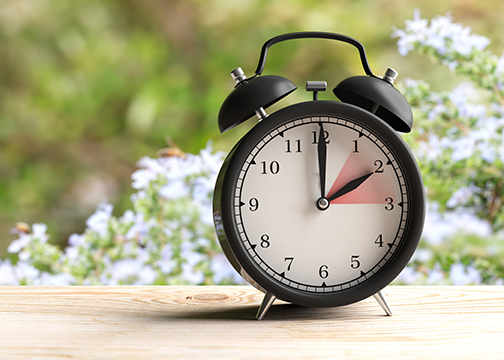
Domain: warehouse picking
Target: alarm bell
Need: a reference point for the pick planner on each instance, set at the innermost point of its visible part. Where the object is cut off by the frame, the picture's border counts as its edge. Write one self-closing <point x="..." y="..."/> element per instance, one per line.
<point x="379" y="97"/>
<point x="252" y="96"/>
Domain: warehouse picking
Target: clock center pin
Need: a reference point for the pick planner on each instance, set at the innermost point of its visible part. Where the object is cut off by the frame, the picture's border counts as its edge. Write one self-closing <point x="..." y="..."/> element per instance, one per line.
<point x="322" y="204"/>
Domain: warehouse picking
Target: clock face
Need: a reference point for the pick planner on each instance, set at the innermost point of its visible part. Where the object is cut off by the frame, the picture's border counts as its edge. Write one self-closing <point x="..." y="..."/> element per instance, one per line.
<point x="328" y="224"/>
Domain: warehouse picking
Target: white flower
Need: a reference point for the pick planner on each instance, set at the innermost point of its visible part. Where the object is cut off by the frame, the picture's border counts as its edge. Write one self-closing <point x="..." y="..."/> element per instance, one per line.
<point x="75" y="240"/>
<point x="123" y="270"/>
<point x="19" y="244"/>
<point x="7" y="276"/>
<point x="99" y="220"/>
<point x="61" y="279"/>
<point x="442" y="35"/>
<point x="26" y="271"/>
<point x="174" y="190"/>
<point x="71" y="253"/>
<point x="39" y="232"/>
<point x="142" y="178"/>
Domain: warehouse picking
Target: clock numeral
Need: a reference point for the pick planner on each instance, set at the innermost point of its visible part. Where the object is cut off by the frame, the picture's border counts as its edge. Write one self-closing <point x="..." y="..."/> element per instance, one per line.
<point x="297" y="146"/>
<point x="356" y="149"/>
<point x="379" y="241"/>
<point x="274" y="167"/>
<point x="379" y="165"/>
<point x="290" y="260"/>
<point x="323" y="273"/>
<point x="315" y="137"/>
<point x="389" y="205"/>
<point x="265" y="241"/>
<point x="254" y="204"/>
<point x="354" y="263"/>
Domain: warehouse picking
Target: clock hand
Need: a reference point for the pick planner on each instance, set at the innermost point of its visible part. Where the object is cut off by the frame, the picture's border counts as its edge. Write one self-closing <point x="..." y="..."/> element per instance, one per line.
<point x="322" y="159"/>
<point x="352" y="185"/>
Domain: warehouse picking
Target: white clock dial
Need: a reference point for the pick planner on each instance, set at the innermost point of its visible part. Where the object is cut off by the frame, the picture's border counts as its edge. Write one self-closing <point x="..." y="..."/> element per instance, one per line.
<point x="292" y="239"/>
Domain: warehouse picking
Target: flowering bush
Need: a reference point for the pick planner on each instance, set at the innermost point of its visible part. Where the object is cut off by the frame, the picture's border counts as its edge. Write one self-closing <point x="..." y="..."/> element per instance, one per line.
<point x="458" y="139"/>
<point x="168" y="237"/>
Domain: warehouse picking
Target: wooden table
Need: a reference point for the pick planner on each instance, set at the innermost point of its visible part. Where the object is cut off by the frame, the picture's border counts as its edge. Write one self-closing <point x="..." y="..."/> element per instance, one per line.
<point x="123" y="322"/>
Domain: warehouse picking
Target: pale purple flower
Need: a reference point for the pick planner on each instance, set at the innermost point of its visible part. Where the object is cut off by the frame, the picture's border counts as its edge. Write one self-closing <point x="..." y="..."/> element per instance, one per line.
<point x="437" y="110"/>
<point x="462" y="195"/>
<point x="146" y="275"/>
<point x="422" y="255"/>
<point x="436" y="275"/>
<point x="433" y="148"/>
<point x="409" y="276"/>
<point x="166" y="264"/>
<point x="499" y="68"/>
<point x="461" y="275"/>
<point x="440" y="226"/>
<point x="191" y="259"/>
<point x="463" y="148"/>
<point x="99" y="220"/>
<point x="139" y="229"/>
<point x="222" y="270"/>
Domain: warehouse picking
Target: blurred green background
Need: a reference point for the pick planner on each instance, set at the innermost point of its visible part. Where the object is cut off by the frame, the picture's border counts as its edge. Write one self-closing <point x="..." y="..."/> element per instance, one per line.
<point x="88" y="87"/>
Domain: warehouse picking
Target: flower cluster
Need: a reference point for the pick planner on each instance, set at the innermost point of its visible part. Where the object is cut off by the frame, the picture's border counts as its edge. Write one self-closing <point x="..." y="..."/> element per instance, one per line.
<point x="458" y="139"/>
<point x="454" y="45"/>
<point x="168" y="237"/>
<point x="442" y="36"/>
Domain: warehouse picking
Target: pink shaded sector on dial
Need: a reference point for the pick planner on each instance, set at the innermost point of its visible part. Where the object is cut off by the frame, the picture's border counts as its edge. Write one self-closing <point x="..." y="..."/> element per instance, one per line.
<point x="372" y="191"/>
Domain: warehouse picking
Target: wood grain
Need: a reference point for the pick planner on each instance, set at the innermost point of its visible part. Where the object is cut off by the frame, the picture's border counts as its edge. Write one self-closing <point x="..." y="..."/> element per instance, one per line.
<point x="444" y="322"/>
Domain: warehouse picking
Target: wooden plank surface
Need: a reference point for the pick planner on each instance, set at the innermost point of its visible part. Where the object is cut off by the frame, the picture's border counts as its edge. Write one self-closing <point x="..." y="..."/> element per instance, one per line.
<point x="429" y="322"/>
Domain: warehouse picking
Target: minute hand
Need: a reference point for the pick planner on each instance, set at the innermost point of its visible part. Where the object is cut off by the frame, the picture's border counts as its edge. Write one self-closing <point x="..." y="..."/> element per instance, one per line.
<point x="322" y="159"/>
<point x="352" y="185"/>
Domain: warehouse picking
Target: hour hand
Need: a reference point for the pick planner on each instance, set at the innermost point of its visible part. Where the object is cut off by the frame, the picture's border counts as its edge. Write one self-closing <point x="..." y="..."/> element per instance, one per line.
<point x="352" y="185"/>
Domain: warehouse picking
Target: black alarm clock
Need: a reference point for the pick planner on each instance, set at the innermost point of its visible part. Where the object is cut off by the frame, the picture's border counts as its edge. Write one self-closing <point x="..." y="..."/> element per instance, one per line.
<point x="321" y="203"/>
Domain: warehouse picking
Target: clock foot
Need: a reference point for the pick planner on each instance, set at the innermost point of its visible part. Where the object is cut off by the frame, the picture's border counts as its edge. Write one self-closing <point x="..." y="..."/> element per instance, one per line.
<point x="265" y="305"/>
<point x="383" y="302"/>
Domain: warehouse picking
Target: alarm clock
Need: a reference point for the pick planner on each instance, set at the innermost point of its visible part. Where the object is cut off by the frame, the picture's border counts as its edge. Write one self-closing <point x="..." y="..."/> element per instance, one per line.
<point x="321" y="203"/>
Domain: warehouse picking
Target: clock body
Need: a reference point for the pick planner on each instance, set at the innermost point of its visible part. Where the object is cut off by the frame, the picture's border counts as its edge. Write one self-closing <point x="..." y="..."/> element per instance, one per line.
<point x="275" y="234"/>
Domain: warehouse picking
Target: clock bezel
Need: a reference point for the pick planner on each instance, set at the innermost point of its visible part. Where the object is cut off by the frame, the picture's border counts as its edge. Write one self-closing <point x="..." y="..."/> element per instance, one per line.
<point x="224" y="205"/>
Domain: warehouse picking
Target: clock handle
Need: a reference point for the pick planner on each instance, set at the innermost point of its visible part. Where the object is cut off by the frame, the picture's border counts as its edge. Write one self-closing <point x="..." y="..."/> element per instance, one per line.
<point x="316" y="35"/>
